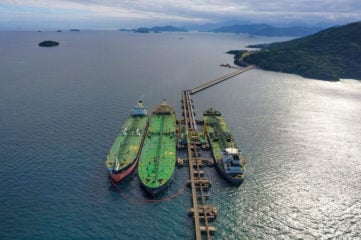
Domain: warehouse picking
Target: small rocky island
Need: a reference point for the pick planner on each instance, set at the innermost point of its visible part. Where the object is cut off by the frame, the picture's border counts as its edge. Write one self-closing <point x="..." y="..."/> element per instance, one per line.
<point x="48" y="44"/>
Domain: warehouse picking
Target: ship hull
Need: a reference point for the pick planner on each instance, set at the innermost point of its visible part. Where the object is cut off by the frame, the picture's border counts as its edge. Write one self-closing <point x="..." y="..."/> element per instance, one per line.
<point x="117" y="177"/>
<point x="124" y="154"/>
<point x="227" y="177"/>
<point x="154" y="192"/>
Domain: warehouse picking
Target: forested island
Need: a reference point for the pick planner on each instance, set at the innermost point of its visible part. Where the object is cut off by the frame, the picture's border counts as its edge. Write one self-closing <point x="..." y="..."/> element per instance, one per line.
<point x="331" y="54"/>
<point x="156" y="29"/>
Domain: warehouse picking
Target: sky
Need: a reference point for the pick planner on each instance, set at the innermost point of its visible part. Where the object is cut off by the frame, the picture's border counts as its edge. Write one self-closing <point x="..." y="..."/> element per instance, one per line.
<point x="115" y="14"/>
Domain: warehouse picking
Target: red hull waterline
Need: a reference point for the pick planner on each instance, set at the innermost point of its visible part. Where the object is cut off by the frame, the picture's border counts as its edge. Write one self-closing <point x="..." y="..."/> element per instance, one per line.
<point x="117" y="177"/>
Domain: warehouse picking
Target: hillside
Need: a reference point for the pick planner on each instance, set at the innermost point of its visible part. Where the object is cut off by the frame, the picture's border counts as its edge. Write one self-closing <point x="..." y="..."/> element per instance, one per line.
<point x="331" y="54"/>
<point x="267" y="30"/>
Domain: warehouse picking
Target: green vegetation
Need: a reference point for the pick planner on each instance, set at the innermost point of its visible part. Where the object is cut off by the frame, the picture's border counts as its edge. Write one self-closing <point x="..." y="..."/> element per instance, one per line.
<point x="239" y="55"/>
<point x="156" y="29"/>
<point x="267" y="30"/>
<point x="331" y="54"/>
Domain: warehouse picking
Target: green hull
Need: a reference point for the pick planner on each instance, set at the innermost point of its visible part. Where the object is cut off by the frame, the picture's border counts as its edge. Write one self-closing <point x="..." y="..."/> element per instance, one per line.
<point x="158" y="156"/>
<point x="124" y="152"/>
<point x="227" y="158"/>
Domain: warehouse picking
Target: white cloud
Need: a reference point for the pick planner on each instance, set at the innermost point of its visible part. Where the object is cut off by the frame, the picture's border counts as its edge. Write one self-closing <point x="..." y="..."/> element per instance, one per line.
<point x="181" y="11"/>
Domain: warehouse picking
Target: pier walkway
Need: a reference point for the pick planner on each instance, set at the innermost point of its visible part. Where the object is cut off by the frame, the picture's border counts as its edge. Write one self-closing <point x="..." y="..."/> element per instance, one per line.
<point x="220" y="79"/>
<point x="201" y="212"/>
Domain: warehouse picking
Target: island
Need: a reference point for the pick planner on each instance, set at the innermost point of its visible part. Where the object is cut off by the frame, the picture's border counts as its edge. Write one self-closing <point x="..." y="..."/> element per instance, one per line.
<point x="142" y="30"/>
<point x="48" y="44"/>
<point x="156" y="29"/>
<point x="331" y="54"/>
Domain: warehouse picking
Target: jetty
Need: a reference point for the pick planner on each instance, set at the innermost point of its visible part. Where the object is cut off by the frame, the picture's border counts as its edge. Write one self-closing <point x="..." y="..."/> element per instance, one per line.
<point x="220" y="79"/>
<point x="192" y="137"/>
<point x="201" y="212"/>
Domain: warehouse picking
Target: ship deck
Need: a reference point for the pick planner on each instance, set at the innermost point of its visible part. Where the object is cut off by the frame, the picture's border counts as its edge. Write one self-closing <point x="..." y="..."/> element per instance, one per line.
<point x="219" y="132"/>
<point x="158" y="157"/>
<point x="126" y="145"/>
<point x="220" y="138"/>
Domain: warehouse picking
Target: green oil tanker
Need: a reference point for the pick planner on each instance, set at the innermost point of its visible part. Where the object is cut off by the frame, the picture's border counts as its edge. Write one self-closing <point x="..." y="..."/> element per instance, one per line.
<point x="124" y="153"/>
<point x="228" y="160"/>
<point x="158" y="155"/>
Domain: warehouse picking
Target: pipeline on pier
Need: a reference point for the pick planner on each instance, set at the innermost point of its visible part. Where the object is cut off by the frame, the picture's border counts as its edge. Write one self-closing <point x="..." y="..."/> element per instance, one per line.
<point x="202" y="212"/>
<point x="218" y="80"/>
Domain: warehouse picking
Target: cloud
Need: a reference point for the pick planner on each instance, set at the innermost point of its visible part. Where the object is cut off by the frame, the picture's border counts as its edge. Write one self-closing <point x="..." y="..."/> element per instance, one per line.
<point x="113" y="12"/>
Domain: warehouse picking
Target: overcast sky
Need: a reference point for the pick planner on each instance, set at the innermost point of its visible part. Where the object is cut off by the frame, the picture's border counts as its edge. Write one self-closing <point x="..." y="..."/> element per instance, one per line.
<point x="114" y="14"/>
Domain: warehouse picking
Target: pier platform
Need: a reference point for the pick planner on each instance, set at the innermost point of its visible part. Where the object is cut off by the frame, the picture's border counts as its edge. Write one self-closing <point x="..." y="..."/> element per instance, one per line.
<point x="202" y="212"/>
<point x="192" y="136"/>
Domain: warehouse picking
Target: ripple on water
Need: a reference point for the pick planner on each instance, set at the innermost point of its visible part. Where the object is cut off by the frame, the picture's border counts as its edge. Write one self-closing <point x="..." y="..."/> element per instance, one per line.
<point x="299" y="136"/>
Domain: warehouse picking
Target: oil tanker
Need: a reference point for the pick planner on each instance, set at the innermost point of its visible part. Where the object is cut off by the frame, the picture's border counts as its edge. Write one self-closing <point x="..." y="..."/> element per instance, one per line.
<point x="158" y="155"/>
<point x="123" y="155"/>
<point x="228" y="160"/>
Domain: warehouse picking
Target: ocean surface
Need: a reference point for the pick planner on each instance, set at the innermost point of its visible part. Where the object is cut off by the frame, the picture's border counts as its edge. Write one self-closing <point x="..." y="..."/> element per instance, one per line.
<point x="61" y="108"/>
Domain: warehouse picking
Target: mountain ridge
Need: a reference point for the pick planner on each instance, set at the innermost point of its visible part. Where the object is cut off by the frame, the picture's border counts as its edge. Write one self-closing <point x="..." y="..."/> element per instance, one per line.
<point x="330" y="54"/>
<point x="267" y="30"/>
<point x="156" y="29"/>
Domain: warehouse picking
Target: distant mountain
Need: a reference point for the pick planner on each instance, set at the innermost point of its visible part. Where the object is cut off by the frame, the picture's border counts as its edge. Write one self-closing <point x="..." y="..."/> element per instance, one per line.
<point x="142" y="30"/>
<point x="267" y="30"/>
<point x="331" y="54"/>
<point x="168" y="29"/>
<point x="156" y="29"/>
<point x="207" y="27"/>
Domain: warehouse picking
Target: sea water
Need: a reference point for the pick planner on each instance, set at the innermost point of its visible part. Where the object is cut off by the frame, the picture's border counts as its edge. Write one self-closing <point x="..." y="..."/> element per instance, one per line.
<point x="61" y="109"/>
